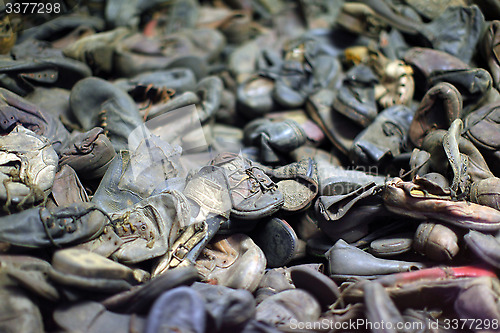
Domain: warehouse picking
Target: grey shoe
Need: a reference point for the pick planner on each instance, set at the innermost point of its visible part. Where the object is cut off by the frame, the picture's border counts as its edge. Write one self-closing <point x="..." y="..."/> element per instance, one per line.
<point x="140" y="298"/>
<point x="90" y="272"/>
<point x="288" y="306"/>
<point x="96" y="102"/>
<point x="19" y="312"/>
<point x="384" y="138"/>
<point x="228" y="310"/>
<point x="253" y="193"/>
<point x="89" y="153"/>
<point x="178" y="310"/>
<point x="233" y="261"/>
<point x="150" y="227"/>
<point x="67" y="189"/>
<point x="28" y="168"/>
<point x="92" y="317"/>
<point x="41" y="227"/>
<point x="15" y="110"/>
<point x="346" y="261"/>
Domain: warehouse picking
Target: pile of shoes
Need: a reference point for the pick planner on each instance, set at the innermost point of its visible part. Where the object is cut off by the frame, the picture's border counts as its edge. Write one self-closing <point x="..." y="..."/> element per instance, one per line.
<point x="250" y="166"/>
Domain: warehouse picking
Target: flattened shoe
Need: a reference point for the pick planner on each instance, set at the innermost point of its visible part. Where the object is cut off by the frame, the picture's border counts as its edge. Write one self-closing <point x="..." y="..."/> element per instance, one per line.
<point x="347" y="261"/>
<point x="140" y="298"/>
<point x="92" y="317"/>
<point x="178" y="310"/>
<point x="67" y="188"/>
<point x="228" y="310"/>
<point x="90" y="272"/>
<point x="288" y="306"/>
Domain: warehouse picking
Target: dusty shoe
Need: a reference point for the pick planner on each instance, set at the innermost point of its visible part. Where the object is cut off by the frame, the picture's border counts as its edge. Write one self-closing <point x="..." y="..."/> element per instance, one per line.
<point x="97" y="50"/>
<point x="440" y="106"/>
<point x="486" y="192"/>
<point x="278" y="241"/>
<point x="316" y="283"/>
<point x="150" y="227"/>
<point x="140" y="298"/>
<point x="15" y="110"/>
<point x="489" y="47"/>
<point x="298" y="182"/>
<point x="485" y="246"/>
<point x="67" y="189"/>
<point x="425" y="61"/>
<point x="253" y="193"/>
<point x="356" y="97"/>
<point x="274" y="281"/>
<point x="479" y="300"/>
<point x="383" y="138"/>
<point x="483" y="128"/>
<point x="22" y="76"/>
<point x="339" y="129"/>
<point x="436" y="241"/>
<point x="30" y="274"/>
<point x="449" y="150"/>
<point x="234" y="262"/>
<point x="92" y="317"/>
<point x="41" y="227"/>
<point x="208" y="195"/>
<point x="347" y="261"/>
<point x="409" y="199"/>
<point x="228" y="310"/>
<point x="473" y="84"/>
<point x="89" y="153"/>
<point x="28" y="168"/>
<point x="153" y="166"/>
<point x="379" y="306"/>
<point x="96" y="102"/>
<point x="19" y="312"/>
<point x="181" y="309"/>
<point x="274" y="138"/>
<point x="347" y="213"/>
<point x="295" y="305"/>
<point x="392" y="245"/>
<point x="84" y="270"/>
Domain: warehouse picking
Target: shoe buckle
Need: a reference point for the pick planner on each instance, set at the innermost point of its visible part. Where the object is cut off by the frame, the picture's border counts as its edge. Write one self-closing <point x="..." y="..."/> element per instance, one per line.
<point x="261" y="182"/>
<point x="180" y="253"/>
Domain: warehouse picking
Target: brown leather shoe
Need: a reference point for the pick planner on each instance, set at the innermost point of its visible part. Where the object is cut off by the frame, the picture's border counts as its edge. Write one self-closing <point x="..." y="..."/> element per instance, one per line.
<point x="439" y="107"/>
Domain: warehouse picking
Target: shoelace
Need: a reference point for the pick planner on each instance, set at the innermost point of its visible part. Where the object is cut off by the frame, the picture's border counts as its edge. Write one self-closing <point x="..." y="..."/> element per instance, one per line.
<point x="49" y="222"/>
